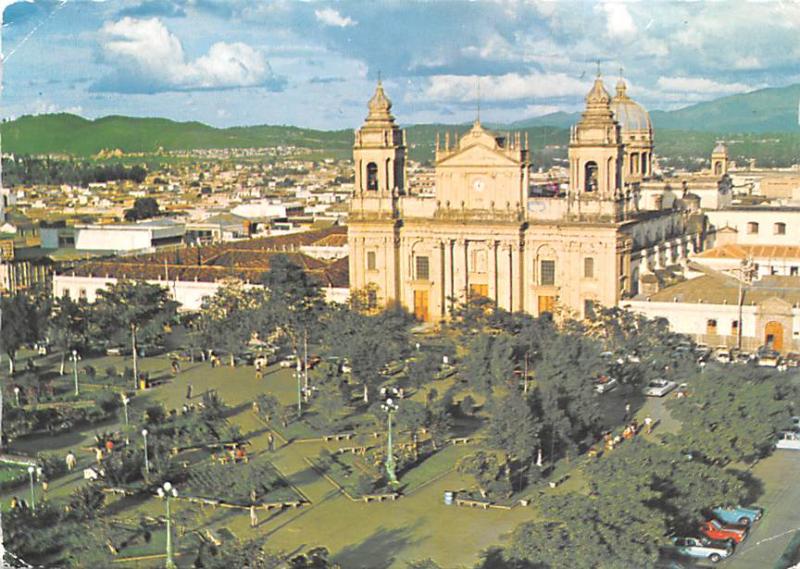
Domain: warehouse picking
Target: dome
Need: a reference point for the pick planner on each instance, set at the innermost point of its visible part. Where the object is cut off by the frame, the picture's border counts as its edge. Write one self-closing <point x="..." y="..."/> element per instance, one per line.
<point x="598" y="93"/>
<point x="628" y="113"/>
<point x="720" y="148"/>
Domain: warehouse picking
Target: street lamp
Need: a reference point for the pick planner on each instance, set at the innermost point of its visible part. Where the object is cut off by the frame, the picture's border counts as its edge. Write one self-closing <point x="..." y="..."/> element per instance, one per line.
<point x="146" y="461"/>
<point x="166" y="491"/>
<point x="390" y="407"/>
<point x="31" y="470"/>
<point x="75" y="370"/>
<point x="125" y="401"/>
<point x="16" y="394"/>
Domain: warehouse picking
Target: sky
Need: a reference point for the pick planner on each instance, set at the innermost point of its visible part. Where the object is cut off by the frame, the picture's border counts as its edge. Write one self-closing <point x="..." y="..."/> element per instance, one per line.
<point x="315" y="64"/>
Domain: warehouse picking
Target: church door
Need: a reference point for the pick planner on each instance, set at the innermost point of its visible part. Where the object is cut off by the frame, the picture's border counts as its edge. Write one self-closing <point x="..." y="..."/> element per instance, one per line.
<point x="478" y="290"/>
<point x="773" y="335"/>
<point x="421" y="305"/>
<point x="547" y="304"/>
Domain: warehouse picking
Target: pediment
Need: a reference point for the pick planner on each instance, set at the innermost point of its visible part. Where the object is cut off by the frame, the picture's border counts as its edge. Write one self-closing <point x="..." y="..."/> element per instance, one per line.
<point x="477" y="155"/>
<point x="775" y="305"/>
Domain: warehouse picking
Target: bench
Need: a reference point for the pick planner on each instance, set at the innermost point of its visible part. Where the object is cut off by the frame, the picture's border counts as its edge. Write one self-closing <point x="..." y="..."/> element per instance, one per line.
<point x="558" y="481"/>
<point x="472" y="503"/>
<point x="352" y="450"/>
<point x="338" y="437"/>
<point x="460" y="440"/>
<point x="379" y="497"/>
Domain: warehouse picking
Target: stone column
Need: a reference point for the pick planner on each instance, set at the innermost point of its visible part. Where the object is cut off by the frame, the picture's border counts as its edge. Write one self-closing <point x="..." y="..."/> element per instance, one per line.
<point x="449" y="274"/>
<point x="440" y="279"/>
<point x="491" y="261"/>
<point x="460" y="270"/>
<point x="515" y="272"/>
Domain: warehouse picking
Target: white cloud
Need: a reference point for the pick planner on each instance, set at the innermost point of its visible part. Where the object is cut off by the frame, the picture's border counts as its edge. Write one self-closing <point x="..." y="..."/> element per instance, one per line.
<point x="700" y="85"/>
<point x="508" y="87"/>
<point x="145" y="51"/>
<point x="619" y="22"/>
<point x="332" y="17"/>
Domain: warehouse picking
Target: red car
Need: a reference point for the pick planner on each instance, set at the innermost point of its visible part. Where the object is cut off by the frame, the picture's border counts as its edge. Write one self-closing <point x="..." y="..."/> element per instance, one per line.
<point x="714" y="529"/>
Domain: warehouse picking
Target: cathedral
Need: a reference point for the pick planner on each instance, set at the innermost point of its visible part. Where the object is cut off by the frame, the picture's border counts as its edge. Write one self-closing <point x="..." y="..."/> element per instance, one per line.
<point x="485" y="233"/>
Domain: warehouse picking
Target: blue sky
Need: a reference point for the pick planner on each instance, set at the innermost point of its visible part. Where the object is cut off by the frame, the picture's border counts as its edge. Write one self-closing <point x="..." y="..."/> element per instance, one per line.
<point x="241" y="62"/>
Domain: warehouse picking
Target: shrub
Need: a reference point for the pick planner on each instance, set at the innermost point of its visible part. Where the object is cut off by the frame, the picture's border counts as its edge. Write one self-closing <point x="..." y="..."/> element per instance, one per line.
<point x="90" y="372"/>
<point x="155" y="414"/>
<point x="127" y="375"/>
<point x="112" y="373"/>
<point x="365" y="484"/>
<point x="324" y="460"/>
<point x="108" y="401"/>
<point x="467" y="405"/>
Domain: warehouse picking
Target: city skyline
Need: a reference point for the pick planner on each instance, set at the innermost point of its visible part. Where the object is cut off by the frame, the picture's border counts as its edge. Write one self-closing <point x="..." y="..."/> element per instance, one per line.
<point x="311" y="63"/>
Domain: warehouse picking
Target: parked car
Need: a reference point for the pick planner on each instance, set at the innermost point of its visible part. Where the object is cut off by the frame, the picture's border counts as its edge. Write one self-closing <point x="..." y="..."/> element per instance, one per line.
<point x="768" y="357"/>
<point x="715" y="529"/>
<point x="743" y="358"/>
<point x="702" y="548"/>
<point x="737" y="515"/>
<point x="792" y="359"/>
<point x="659" y="387"/>
<point x="118" y="351"/>
<point x="788" y="440"/>
<point x="289" y="361"/>
<point x="604" y="384"/>
<point x="723" y="355"/>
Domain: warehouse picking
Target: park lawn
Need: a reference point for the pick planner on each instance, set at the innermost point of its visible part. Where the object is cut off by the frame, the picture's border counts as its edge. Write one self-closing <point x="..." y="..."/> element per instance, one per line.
<point x="231" y="483"/>
<point x="433" y="467"/>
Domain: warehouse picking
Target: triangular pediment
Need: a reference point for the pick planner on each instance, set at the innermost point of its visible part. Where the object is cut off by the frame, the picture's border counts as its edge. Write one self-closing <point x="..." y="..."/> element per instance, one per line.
<point x="775" y="305"/>
<point x="477" y="155"/>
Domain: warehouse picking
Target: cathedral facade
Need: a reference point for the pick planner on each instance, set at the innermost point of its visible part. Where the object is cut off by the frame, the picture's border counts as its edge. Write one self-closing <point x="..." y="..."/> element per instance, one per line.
<point x="484" y="234"/>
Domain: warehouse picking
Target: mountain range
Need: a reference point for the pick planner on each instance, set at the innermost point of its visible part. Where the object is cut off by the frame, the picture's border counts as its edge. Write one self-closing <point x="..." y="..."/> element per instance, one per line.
<point x="687" y="131"/>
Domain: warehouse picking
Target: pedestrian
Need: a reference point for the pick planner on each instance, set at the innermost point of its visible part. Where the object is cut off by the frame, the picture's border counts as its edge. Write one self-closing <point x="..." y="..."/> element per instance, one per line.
<point x="253" y="516"/>
<point x="38" y="474"/>
<point x="188" y="391"/>
<point x="109" y="446"/>
<point x="98" y="454"/>
<point x="176" y="367"/>
<point x="253" y="496"/>
<point x="271" y="441"/>
<point x="14" y="503"/>
<point x="71" y="461"/>
<point x="627" y="411"/>
<point x="648" y="424"/>
<point x="45" y="486"/>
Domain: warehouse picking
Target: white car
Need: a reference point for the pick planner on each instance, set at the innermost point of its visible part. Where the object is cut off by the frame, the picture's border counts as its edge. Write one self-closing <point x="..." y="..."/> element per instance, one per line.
<point x="659" y="387"/>
<point x="289" y="361"/>
<point x="723" y="355"/>
<point x="605" y="384"/>
<point x="788" y="440"/>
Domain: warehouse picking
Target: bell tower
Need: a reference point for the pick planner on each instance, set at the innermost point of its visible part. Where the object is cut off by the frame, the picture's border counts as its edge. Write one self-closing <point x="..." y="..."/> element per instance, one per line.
<point x="379" y="152"/>
<point x="719" y="160"/>
<point x="595" y="158"/>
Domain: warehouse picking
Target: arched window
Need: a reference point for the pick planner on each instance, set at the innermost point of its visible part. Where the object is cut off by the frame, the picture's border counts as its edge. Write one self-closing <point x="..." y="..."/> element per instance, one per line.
<point x="590" y="177"/>
<point x="644" y="164"/>
<point x="635" y="163"/>
<point x="372" y="177"/>
<point x="717" y="168"/>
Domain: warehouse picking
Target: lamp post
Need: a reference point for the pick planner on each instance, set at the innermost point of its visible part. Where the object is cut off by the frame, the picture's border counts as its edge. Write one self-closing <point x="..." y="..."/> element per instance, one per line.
<point x="146" y="461"/>
<point x="125" y="401"/>
<point x="75" y="370"/>
<point x="31" y="470"/>
<point x="16" y="394"/>
<point x="166" y="491"/>
<point x="390" y="407"/>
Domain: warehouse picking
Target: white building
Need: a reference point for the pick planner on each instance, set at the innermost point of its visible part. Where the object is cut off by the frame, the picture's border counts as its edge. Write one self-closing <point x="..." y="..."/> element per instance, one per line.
<point x="144" y="236"/>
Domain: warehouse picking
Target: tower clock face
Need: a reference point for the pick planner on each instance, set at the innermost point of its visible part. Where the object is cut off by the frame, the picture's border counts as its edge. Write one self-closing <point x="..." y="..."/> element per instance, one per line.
<point x="478" y="185"/>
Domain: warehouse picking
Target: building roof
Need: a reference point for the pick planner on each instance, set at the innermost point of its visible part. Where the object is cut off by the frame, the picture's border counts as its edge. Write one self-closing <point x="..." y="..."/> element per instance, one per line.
<point x="737" y="251"/>
<point x="245" y="260"/>
<point x="721" y="289"/>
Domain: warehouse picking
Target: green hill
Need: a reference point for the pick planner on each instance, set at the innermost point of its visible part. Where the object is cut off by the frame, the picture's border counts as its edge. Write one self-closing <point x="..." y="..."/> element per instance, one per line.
<point x="765" y="110"/>
<point x="70" y="134"/>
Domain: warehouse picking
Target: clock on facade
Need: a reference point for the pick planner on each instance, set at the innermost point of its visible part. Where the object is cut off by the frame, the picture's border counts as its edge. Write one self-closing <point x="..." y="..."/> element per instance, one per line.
<point x="478" y="185"/>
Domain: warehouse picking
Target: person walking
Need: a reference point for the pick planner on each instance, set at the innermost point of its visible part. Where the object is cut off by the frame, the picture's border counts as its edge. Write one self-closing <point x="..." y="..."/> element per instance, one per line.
<point x="71" y="461"/>
<point x="648" y="424"/>
<point x="188" y="391"/>
<point x="271" y="441"/>
<point x="98" y="454"/>
<point x="627" y="411"/>
<point x="253" y="516"/>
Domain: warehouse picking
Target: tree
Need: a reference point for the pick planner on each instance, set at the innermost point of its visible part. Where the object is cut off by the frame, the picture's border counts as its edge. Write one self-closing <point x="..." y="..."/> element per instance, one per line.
<point x="227" y="318"/>
<point x="607" y="531"/>
<point x="490" y="474"/>
<point x="68" y="327"/>
<point x="513" y="428"/>
<point x="489" y="361"/>
<point x="730" y="414"/>
<point x="294" y="305"/>
<point x="20" y="321"/>
<point x="138" y="307"/>
<point x="412" y="416"/>
<point x="368" y="342"/>
<point x="143" y="208"/>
